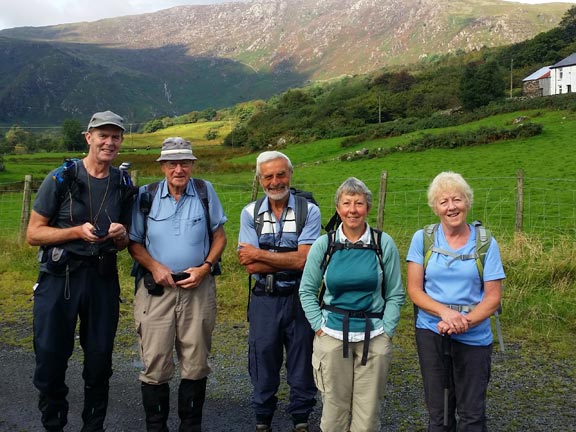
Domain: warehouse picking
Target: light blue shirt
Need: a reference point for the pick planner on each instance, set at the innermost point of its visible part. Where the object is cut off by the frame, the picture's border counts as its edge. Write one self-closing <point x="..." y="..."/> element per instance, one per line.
<point x="280" y="233"/>
<point x="176" y="233"/>
<point x="456" y="282"/>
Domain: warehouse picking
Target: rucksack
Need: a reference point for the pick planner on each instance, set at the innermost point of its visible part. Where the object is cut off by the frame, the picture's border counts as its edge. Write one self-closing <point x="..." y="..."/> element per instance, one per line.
<point x="67" y="173"/>
<point x="66" y="176"/>
<point x="302" y="198"/>
<point x="483" y="240"/>
<point x="333" y="246"/>
<point x="145" y="206"/>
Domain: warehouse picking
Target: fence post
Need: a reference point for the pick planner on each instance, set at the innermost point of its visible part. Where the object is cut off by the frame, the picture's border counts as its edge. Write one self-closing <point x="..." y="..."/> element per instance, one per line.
<point x="519" y="200"/>
<point x="255" y="186"/>
<point x="25" y="215"/>
<point x="134" y="177"/>
<point x="382" y="200"/>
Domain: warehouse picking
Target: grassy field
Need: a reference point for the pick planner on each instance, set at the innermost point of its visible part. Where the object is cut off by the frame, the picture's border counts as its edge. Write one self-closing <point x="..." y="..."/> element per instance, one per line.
<point x="541" y="264"/>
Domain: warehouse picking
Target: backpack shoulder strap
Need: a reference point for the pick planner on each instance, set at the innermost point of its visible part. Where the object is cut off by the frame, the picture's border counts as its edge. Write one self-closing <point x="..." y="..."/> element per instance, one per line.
<point x="152" y="188"/>
<point x="200" y="186"/>
<point x="301" y="212"/>
<point x="329" y="250"/>
<point x="333" y="222"/>
<point x="377" y="240"/>
<point x="429" y="237"/>
<point x="483" y="240"/>
<point x="147" y="197"/>
<point x="324" y="264"/>
<point x="257" y="216"/>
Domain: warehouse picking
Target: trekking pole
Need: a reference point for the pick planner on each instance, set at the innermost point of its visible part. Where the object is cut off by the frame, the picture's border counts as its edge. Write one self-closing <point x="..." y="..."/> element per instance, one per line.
<point x="446" y="339"/>
<point x="499" y="329"/>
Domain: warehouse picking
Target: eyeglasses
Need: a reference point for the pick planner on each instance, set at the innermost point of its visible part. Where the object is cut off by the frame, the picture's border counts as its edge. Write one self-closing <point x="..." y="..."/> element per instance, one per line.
<point x="173" y="164"/>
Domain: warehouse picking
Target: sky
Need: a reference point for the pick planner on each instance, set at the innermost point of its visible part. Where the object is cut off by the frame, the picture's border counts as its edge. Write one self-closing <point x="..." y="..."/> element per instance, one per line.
<point x="37" y="13"/>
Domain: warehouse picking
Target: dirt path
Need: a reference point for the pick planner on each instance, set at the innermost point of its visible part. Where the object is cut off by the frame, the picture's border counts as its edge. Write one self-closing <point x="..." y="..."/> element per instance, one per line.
<point x="528" y="392"/>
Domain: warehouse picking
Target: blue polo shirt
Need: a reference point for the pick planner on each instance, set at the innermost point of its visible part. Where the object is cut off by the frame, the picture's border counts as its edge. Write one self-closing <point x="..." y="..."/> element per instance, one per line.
<point x="177" y="234"/>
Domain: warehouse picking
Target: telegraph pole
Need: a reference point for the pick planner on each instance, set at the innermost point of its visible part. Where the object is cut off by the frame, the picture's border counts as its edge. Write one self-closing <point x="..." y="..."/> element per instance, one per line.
<point x="511" y="66"/>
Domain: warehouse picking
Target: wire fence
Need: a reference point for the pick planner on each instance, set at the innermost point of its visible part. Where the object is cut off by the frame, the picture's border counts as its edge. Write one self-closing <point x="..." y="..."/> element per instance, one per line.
<point x="544" y="206"/>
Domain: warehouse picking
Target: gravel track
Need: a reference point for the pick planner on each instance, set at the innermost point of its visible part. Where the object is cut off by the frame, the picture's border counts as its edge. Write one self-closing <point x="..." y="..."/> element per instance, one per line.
<point x="527" y="392"/>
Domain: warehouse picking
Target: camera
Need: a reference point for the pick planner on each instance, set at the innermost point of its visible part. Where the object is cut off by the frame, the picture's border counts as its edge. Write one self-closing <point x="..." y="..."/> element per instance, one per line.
<point x="100" y="232"/>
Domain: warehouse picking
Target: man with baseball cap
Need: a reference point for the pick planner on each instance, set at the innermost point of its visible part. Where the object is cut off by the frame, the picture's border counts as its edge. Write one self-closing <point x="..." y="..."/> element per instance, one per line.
<point x="176" y="238"/>
<point x="80" y="220"/>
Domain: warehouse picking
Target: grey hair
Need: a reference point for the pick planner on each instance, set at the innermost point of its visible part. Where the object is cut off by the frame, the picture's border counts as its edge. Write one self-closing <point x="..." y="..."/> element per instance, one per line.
<point x="449" y="181"/>
<point x="268" y="156"/>
<point x="353" y="186"/>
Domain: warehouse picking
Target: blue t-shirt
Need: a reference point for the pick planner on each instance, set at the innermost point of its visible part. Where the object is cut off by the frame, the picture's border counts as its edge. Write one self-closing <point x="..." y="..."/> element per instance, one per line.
<point x="456" y="282"/>
<point x="176" y="233"/>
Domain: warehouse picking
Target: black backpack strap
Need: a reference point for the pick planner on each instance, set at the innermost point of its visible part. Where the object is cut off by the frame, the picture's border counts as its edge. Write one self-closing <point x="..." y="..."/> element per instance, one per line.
<point x="200" y="186"/>
<point x="258" y="216"/>
<point x="333" y="223"/>
<point x="144" y="205"/>
<point x="377" y="241"/>
<point x="301" y="210"/>
<point x="324" y="265"/>
<point x="145" y="202"/>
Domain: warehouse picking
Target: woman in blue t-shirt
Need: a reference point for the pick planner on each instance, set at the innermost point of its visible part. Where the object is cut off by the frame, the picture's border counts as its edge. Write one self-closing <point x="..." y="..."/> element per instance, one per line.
<point x="454" y="305"/>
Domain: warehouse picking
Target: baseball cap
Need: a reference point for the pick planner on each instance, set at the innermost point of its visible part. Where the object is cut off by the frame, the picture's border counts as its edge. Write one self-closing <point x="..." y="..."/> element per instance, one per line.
<point x="106" y="118"/>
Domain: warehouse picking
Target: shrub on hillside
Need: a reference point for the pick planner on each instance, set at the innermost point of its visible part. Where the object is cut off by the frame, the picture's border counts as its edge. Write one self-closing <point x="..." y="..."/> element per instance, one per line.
<point x="453" y="139"/>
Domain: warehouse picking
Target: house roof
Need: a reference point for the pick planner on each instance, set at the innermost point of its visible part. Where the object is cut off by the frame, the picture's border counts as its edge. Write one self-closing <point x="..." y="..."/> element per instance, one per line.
<point x="543" y="72"/>
<point x="568" y="61"/>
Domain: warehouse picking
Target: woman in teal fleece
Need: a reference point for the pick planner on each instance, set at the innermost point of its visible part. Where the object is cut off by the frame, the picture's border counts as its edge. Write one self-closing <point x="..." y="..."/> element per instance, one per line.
<point x="356" y="316"/>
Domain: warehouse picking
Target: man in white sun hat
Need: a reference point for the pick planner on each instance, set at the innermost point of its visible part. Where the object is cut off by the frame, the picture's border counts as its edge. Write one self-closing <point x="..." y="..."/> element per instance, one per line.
<point x="176" y="238"/>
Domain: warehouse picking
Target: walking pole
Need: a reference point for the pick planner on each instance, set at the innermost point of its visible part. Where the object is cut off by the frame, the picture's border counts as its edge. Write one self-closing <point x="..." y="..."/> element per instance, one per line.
<point x="446" y="339"/>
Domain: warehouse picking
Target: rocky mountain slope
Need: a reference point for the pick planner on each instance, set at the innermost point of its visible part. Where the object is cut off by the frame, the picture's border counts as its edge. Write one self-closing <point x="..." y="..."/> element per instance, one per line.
<point x="192" y="57"/>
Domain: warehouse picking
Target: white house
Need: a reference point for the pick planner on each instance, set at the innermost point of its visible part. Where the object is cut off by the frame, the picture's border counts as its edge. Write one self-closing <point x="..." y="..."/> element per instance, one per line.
<point x="563" y="76"/>
<point x="559" y="78"/>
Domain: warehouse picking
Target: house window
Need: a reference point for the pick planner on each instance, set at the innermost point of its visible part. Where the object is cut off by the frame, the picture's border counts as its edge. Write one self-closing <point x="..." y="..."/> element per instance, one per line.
<point x="559" y="89"/>
<point x="560" y="73"/>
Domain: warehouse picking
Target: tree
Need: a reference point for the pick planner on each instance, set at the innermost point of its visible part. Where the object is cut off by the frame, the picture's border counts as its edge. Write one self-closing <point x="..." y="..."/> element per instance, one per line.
<point x="16" y="137"/>
<point x="568" y="21"/>
<point x="72" y="137"/>
<point x="481" y="84"/>
<point x="153" y="126"/>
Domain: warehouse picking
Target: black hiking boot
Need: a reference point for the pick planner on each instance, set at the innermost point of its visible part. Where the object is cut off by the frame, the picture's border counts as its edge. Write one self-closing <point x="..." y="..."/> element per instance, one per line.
<point x="156" y="401"/>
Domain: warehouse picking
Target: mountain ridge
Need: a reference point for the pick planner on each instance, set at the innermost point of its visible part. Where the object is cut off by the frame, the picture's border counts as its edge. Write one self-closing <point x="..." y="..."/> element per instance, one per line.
<point x="250" y="50"/>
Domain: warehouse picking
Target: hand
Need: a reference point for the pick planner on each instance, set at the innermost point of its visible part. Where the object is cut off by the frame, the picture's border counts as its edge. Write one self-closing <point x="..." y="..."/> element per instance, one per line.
<point x="453" y="322"/>
<point x="117" y="231"/>
<point x="197" y="275"/>
<point x="247" y="254"/>
<point x="86" y="233"/>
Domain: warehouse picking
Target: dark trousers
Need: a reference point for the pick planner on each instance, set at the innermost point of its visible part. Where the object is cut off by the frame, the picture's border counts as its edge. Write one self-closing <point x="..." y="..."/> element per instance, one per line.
<point x="469" y="374"/>
<point x="58" y="302"/>
<point x="278" y="323"/>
